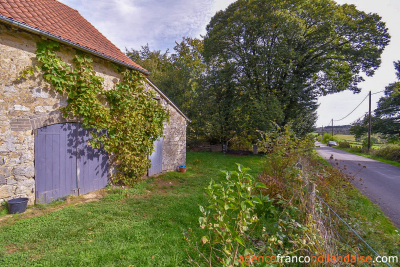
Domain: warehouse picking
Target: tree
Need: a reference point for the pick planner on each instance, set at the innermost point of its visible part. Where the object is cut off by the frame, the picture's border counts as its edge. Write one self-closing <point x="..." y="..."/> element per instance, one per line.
<point x="179" y="75"/>
<point x="176" y="74"/>
<point x="359" y="128"/>
<point x="388" y="110"/>
<point x="387" y="115"/>
<point x="276" y="57"/>
<point x="189" y="69"/>
<point x="158" y="63"/>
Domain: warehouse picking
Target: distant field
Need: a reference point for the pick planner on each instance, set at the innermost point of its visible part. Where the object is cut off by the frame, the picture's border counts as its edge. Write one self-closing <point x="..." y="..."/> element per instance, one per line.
<point x="346" y="137"/>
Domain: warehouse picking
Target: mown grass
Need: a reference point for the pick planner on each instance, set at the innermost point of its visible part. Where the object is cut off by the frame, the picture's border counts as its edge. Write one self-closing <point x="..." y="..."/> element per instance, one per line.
<point x="142" y="226"/>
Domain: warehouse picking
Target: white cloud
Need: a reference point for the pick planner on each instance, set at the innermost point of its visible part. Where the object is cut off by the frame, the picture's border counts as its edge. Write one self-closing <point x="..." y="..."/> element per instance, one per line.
<point x="134" y="23"/>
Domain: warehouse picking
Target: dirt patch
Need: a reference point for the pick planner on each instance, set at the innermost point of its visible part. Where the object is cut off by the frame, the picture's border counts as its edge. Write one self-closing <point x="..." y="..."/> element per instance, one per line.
<point x="166" y="183"/>
<point x="10" y="249"/>
<point x="40" y="210"/>
<point x="164" y="186"/>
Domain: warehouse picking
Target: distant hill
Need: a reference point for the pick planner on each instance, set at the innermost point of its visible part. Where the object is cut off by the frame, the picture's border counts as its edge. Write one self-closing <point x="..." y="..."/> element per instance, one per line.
<point x="340" y="129"/>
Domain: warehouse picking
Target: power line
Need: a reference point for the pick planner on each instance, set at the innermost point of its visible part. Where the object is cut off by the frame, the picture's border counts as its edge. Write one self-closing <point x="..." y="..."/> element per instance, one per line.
<point x="362" y="117"/>
<point x="353" y="109"/>
<point x="378" y="92"/>
<point x="329" y="123"/>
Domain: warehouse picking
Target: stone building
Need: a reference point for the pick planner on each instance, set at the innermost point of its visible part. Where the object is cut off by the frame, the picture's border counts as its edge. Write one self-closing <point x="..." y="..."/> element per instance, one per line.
<point x="35" y="159"/>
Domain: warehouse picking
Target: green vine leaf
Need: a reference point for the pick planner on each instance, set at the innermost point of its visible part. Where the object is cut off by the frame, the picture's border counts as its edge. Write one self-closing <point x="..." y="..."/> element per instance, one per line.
<point x="127" y="120"/>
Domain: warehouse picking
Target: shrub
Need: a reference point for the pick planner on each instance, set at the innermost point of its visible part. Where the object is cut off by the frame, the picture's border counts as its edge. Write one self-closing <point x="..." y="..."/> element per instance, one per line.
<point x="240" y="143"/>
<point x="283" y="150"/>
<point x="365" y="142"/>
<point x="235" y="225"/>
<point x="327" y="137"/>
<point x="228" y="219"/>
<point x="344" y="144"/>
<point x="357" y="149"/>
<point x="390" y="152"/>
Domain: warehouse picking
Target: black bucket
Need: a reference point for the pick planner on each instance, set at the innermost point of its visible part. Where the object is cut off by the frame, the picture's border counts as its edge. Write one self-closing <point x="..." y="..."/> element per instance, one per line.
<point x="17" y="205"/>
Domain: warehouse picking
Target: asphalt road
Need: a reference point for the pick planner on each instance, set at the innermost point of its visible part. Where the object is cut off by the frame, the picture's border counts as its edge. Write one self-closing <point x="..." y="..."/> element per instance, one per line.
<point x="379" y="181"/>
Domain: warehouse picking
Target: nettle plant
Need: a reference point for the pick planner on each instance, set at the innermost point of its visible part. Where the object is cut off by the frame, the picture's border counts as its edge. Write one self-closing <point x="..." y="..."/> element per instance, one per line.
<point x="125" y="120"/>
<point x="228" y="219"/>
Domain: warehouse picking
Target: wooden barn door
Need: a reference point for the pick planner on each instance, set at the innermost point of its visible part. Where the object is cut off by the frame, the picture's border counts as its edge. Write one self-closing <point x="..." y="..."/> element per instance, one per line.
<point x="65" y="164"/>
<point x="156" y="158"/>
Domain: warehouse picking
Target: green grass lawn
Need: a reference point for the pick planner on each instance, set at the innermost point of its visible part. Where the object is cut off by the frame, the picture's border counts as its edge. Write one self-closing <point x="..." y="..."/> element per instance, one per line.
<point x="142" y="226"/>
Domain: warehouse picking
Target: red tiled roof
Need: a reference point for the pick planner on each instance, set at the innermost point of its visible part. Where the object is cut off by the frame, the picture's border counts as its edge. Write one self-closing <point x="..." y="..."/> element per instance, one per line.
<point x="64" y="22"/>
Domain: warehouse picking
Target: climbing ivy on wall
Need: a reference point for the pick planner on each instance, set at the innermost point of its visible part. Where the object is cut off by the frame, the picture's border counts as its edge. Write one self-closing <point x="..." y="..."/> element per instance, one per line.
<point x="127" y="120"/>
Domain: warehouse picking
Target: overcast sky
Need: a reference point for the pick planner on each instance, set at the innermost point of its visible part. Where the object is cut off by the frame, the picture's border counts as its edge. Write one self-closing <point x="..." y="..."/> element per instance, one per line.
<point x="159" y="23"/>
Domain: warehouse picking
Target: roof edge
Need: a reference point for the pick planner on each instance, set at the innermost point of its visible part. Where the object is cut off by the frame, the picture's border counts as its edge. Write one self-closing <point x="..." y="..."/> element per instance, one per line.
<point x="168" y="100"/>
<point x="35" y="30"/>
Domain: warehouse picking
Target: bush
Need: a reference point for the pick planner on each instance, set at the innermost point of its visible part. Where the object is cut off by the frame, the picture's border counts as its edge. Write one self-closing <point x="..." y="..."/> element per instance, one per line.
<point x="240" y="143"/>
<point x="365" y="142"/>
<point x="344" y="144"/>
<point x="228" y="219"/>
<point x="358" y="149"/>
<point x="240" y="222"/>
<point x="327" y="137"/>
<point x="390" y="152"/>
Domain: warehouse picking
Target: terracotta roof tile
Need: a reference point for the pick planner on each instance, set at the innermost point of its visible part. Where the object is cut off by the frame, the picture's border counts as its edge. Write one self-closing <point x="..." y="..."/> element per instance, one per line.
<point x="58" y="19"/>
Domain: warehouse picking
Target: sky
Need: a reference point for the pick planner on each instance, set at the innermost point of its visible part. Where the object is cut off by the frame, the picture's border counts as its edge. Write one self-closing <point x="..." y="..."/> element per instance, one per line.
<point x="159" y="23"/>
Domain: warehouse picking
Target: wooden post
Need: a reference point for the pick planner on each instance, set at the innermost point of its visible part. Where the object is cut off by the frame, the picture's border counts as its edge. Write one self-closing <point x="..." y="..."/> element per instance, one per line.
<point x="311" y="196"/>
<point x="255" y="149"/>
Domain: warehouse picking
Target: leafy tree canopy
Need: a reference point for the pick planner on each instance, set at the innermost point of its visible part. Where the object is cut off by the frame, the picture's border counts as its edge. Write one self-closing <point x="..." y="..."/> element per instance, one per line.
<point x="180" y="76"/>
<point x="387" y="115"/>
<point x="388" y="110"/>
<point x="178" y="73"/>
<point x="273" y="58"/>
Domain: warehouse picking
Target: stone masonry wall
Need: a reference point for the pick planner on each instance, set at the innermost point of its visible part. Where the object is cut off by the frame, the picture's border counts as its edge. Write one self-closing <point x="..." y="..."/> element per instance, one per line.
<point x="174" y="145"/>
<point x="31" y="103"/>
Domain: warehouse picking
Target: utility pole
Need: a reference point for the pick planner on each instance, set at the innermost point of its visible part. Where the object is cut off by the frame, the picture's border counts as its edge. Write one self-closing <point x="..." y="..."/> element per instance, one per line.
<point x="332" y="127"/>
<point x="369" y="123"/>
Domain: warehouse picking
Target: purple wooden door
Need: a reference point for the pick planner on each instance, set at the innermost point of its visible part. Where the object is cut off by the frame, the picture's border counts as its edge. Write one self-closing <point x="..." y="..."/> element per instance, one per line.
<point x="93" y="164"/>
<point x="65" y="164"/>
<point x="156" y="158"/>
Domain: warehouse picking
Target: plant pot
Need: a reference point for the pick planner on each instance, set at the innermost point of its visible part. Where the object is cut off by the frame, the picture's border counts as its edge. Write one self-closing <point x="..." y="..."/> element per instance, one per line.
<point x="17" y="205"/>
<point x="182" y="169"/>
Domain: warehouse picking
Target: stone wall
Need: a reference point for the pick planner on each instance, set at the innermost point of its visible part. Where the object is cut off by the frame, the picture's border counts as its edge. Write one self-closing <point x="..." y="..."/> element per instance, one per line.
<point x="20" y="101"/>
<point x="174" y="144"/>
<point x="29" y="104"/>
